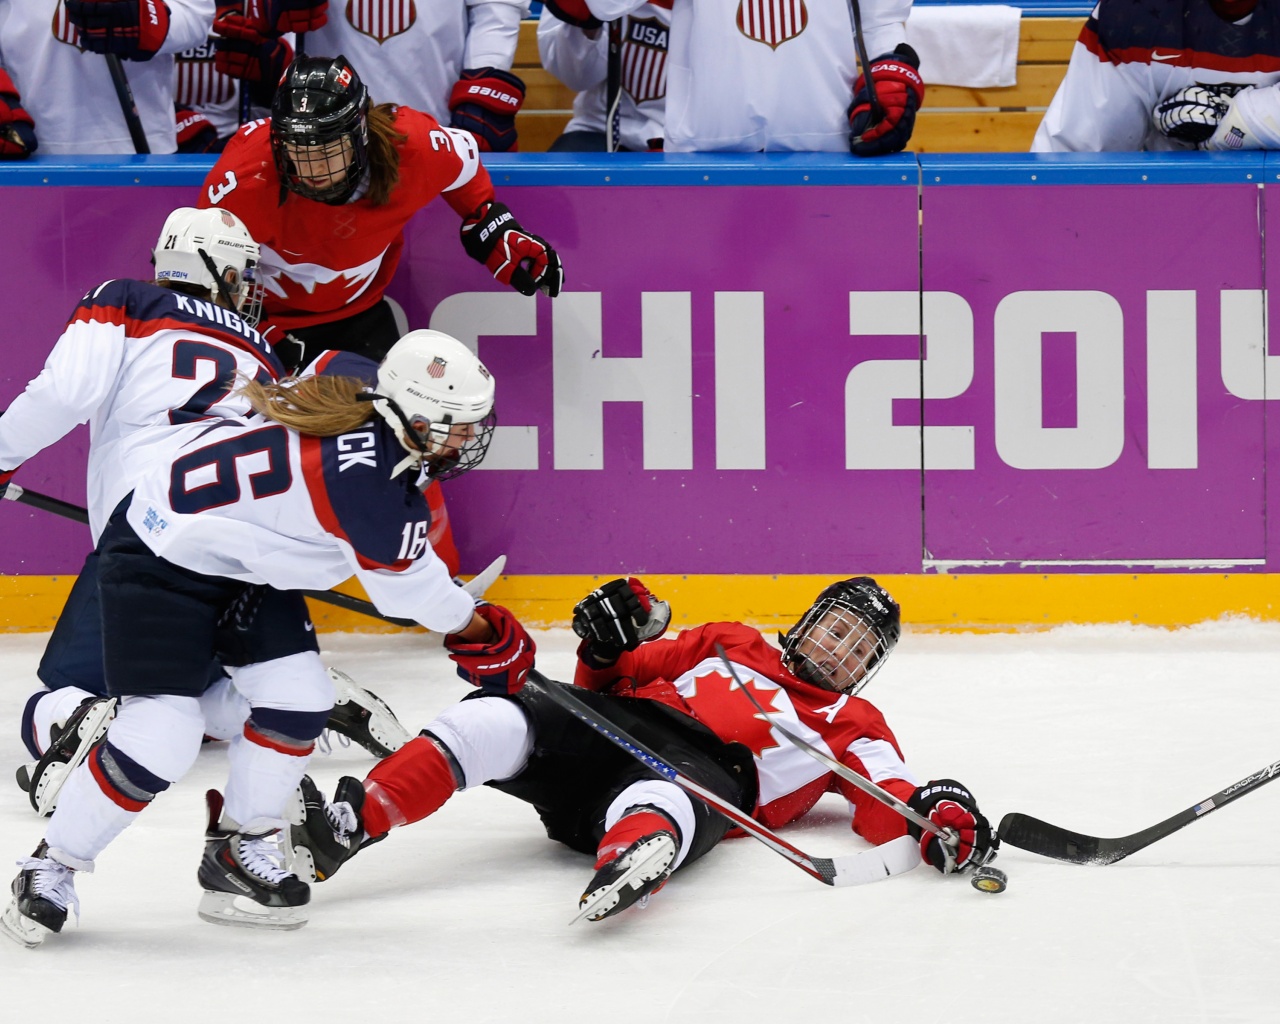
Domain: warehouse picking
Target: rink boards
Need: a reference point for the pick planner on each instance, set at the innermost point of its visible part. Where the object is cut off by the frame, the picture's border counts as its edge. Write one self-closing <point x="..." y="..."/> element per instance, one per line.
<point x="1023" y="390"/>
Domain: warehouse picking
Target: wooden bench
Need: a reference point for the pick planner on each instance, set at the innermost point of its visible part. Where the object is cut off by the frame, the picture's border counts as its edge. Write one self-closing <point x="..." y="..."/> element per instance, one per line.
<point x="953" y="120"/>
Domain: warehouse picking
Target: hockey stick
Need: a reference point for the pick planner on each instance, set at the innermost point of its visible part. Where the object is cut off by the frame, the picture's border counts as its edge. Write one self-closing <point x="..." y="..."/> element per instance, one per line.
<point x="858" y="869"/>
<point x="985" y="878"/>
<point x="246" y="100"/>
<point x="831" y="764"/>
<point x="478" y="585"/>
<point x="860" y="44"/>
<point x="613" y="89"/>
<point x="127" y="105"/>
<point x="1036" y="836"/>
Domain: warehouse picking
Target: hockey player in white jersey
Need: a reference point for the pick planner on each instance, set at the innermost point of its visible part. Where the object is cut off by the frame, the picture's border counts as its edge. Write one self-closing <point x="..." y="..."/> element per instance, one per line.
<point x="228" y="514"/>
<point x="776" y="75"/>
<point x="1179" y="75"/>
<point x="676" y="697"/>
<point x="579" y="57"/>
<point x="53" y="51"/>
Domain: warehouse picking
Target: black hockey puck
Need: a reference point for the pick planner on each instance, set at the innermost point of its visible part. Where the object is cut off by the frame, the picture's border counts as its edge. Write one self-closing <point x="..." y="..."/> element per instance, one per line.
<point x="989" y="879"/>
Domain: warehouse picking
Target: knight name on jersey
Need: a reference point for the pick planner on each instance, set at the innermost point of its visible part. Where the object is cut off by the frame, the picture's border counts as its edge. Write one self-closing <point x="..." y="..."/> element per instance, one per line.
<point x="219" y="315"/>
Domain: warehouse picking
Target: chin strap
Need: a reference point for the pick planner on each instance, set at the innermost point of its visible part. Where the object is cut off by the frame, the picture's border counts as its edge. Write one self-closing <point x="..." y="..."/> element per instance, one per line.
<point x="413" y="459"/>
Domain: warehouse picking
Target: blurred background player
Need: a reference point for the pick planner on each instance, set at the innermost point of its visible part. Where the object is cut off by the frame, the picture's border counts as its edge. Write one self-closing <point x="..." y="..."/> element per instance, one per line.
<point x="677" y="697"/>
<point x="579" y="57"/>
<point x="53" y="52"/>
<point x="768" y="75"/>
<point x="195" y="565"/>
<point x="327" y="189"/>
<point x="448" y="58"/>
<point x="1180" y="75"/>
<point x="17" y="129"/>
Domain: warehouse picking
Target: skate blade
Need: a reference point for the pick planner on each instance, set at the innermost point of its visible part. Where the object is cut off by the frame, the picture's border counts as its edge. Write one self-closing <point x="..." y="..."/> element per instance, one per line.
<point x="241" y="912"/>
<point x="655" y="861"/>
<point x="22" y="930"/>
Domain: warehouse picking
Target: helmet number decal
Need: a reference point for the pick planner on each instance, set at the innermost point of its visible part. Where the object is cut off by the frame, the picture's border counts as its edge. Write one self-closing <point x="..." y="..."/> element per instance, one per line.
<point x="414" y="541"/>
<point x="220" y="191"/>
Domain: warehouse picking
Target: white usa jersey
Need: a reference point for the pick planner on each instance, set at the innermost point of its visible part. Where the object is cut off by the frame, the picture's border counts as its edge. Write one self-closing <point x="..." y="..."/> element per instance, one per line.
<point x="135" y="361"/>
<point x="68" y="91"/>
<point x="252" y="500"/>
<point x="582" y="64"/>
<point x="765" y="75"/>
<point x="686" y="673"/>
<point x="411" y="52"/>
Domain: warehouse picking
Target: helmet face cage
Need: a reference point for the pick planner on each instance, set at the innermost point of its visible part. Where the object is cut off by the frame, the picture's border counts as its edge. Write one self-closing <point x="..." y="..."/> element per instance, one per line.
<point x="319" y="118"/>
<point x="455" y="448"/>
<point x="843" y="639"/>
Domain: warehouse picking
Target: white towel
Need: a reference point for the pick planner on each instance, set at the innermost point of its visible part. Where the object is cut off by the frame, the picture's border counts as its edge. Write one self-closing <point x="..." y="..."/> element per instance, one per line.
<point x="971" y="46"/>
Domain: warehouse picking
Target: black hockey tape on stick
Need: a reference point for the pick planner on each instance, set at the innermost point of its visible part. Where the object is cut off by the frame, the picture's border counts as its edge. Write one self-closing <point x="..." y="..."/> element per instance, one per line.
<point x="613" y="89"/>
<point x="127" y="105"/>
<point x="1039" y="837"/>
<point x="860" y="44"/>
<point x="857" y="869"/>
<point x="74" y="512"/>
<point x="246" y="101"/>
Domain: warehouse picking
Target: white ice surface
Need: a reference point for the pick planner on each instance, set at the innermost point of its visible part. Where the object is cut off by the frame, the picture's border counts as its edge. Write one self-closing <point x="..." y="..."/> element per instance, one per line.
<point x="464" y="917"/>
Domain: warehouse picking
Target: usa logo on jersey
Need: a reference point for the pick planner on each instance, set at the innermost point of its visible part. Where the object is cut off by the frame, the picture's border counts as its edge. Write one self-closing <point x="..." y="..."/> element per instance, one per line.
<point x="381" y="19"/>
<point x="772" y="22"/>
<point x="644" y="59"/>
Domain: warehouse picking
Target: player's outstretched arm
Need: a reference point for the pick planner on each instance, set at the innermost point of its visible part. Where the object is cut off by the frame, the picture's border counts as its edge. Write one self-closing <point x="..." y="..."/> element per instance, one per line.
<point x="491" y="235"/>
<point x="949" y="805"/>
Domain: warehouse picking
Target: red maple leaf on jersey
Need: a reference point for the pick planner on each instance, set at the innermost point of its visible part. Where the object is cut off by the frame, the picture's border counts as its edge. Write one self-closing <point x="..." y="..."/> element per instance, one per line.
<point x="729" y="714"/>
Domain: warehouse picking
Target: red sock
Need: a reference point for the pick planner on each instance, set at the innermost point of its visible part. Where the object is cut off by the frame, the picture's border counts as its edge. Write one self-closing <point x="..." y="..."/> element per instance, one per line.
<point x="412" y="783"/>
<point x="630" y="827"/>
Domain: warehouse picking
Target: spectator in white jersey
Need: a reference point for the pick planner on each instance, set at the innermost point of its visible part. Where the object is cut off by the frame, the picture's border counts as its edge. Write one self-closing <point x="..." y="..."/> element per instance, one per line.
<point x="449" y="58"/>
<point x="777" y="75"/>
<point x="53" y="52"/>
<point x="678" y="698"/>
<point x="579" y="57"/>
<point x="1184" y="74"/>
<point x="228" y="520"/>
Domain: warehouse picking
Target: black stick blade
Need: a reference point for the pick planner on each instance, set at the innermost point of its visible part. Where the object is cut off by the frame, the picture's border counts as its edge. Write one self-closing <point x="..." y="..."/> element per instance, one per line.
<point x="1039" y="837"/>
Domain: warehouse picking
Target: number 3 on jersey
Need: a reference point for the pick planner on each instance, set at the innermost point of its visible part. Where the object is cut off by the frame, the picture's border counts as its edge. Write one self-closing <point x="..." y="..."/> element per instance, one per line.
<point x="413" y="541"/>
<point x="219" y="192"/>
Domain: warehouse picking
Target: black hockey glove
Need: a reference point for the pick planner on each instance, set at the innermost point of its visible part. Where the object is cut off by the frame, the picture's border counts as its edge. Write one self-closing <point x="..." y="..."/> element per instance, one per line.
<point x="948" y="804"/>
<point x="900" y="93"/>
<point x="1192" y="114"/>
<point x="132" y="29"/>
<point x="493" y="236"/>
<point x="617" y="617"/>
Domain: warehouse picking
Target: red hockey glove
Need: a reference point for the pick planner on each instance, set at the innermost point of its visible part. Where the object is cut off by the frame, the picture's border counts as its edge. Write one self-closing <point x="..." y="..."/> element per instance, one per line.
<point x="949" y="805"/>
<point x="297" y="15"/>
<point x="900" y="93"/>
<point x="500" y="666"/>
<point x="5" y="476"/>
<point x="618" y="616"/>
<point x="132" y="29"/>
<point x="527" y="263"/>
<point x="246" y="47"/>
<point x="484" y="102"/>
<point x="575" y="12"/>
<point x="196" y="133"/>
<point x="17" y="129"/>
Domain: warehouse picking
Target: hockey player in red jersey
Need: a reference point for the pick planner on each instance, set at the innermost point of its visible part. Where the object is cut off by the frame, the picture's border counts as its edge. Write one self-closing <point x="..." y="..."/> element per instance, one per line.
<point x="677" y="697"/>
<point x="327" y="186"/>
<point x="228" y="521"/>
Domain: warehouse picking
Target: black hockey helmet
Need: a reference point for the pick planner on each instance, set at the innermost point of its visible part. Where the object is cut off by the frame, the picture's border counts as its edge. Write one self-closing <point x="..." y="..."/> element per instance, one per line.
<point x="844" y="636"/>
<point x="320" y="100"/>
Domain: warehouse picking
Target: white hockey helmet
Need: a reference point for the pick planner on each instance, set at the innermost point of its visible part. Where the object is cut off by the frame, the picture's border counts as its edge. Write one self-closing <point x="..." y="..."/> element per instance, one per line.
<point x="438" y="398"/>
<point x="211" y="249"/>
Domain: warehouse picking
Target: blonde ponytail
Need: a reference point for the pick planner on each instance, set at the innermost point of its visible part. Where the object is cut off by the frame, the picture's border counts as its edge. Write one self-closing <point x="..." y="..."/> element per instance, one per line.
<point x="318" y="405"/>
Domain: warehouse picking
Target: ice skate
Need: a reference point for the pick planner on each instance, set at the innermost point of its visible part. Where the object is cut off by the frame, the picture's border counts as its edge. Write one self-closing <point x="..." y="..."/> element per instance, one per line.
<point x="363" y="718"/>
<point x="244" y="882"/>
<point x="630" y="876"/>
<point x="69" y="745"/>
<point x="42" y="892"/>
<point x="326" y="835"/>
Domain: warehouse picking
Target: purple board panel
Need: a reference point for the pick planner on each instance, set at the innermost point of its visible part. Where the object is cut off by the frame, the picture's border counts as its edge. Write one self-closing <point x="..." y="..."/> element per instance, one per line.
<point x="59" y="243"/>
<point x="720" y="447"/>
<point x="1116" y="369"/>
